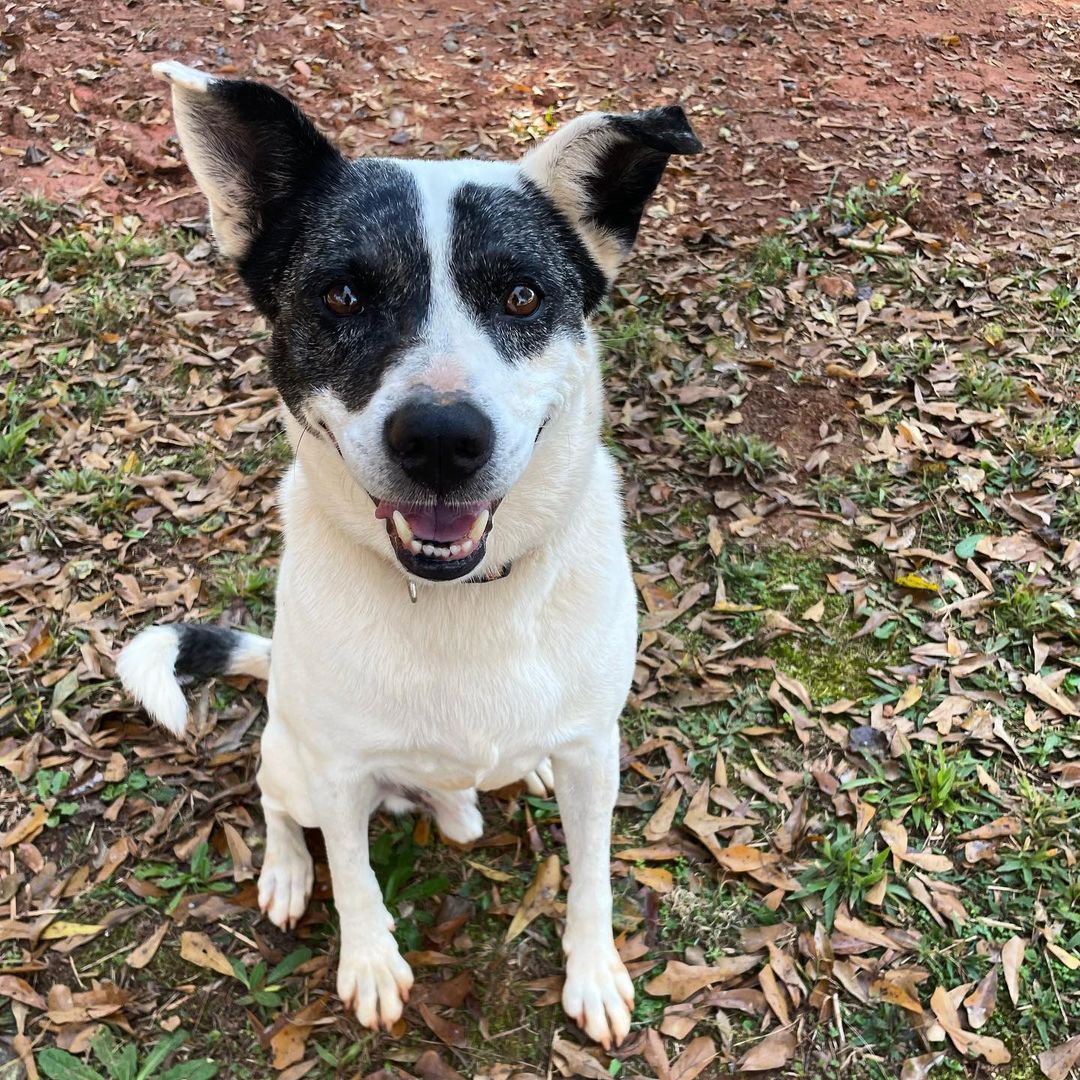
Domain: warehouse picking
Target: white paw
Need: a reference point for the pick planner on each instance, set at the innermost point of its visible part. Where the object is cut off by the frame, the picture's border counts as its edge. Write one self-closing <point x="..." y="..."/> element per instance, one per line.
<point x="541" y="781"/>
<point x="285" y="886"/>
<point x="374" y="981"/>
<point x="598" y="994"/>
<point x="461" y="821"/>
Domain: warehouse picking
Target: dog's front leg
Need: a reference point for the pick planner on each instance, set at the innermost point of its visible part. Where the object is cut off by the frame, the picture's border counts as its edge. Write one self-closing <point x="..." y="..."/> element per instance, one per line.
<point x="373" y="979"/>
<point x="598" y="992"/>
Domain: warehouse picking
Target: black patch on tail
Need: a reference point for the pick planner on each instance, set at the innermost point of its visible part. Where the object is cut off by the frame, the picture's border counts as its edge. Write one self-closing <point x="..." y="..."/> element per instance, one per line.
<point x="204" y="650"/>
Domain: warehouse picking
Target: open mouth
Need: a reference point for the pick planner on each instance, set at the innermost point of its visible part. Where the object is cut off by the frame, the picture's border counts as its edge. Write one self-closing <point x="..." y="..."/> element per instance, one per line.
<point x="438" y="541"/>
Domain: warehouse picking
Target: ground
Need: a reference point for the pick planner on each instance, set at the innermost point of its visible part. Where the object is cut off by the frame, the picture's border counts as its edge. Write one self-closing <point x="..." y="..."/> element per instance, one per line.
<point x="844" y="395"/>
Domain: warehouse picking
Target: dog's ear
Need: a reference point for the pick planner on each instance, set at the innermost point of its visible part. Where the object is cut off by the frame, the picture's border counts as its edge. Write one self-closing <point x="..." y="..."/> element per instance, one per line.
<point x="248" y="147"/>
<point x="600" y="170"/>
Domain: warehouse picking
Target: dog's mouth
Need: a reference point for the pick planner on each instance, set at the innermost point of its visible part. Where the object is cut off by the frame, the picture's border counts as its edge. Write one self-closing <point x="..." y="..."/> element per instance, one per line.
<point x="438" y="541"/>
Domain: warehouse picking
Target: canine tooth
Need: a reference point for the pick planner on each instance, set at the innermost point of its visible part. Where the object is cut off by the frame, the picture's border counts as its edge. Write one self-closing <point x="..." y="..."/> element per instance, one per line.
<point x="415" y="546"/>
<point x="402" y="527"/>
<point x="455" y="549"/>
<point x="479" y="525"/>
<point x="466" y="547"/>
<point x="429" y="549"/>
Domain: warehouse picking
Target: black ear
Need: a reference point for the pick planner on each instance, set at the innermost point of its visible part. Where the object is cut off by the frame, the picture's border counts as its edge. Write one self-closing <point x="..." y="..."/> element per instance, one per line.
<point x="249" y="148"/>
<point x="601" y="169"/>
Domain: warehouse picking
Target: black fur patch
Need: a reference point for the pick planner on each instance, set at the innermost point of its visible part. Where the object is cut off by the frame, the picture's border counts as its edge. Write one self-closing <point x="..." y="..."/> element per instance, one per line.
<point x="204" y="650"/>
<point x="360" y="225"/>
<point x="626" y="174"/>
<point x="500" y="236"/>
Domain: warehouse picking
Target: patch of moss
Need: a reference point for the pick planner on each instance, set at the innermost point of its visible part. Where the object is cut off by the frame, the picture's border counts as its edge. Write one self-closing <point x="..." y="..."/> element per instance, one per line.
<point x="832" y="668"/>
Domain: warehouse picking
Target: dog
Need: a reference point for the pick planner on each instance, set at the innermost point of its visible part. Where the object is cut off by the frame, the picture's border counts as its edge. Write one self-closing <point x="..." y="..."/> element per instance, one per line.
<point x="455" y="609"/>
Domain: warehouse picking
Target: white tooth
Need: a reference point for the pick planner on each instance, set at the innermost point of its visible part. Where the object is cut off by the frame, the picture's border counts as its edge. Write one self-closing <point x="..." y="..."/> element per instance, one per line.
<point x="455" y="550"/>
<point x="466" y="547"/>
<point x="479" y="525"/>
<point x="402" y="527"/>
<point x="415" y="546"/>
<point x="429" y="549"/>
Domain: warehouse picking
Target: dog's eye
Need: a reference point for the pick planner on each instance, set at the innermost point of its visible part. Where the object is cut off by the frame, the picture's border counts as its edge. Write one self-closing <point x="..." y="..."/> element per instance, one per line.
<point x="523" y="300"/>
<point x="341" y="300"/>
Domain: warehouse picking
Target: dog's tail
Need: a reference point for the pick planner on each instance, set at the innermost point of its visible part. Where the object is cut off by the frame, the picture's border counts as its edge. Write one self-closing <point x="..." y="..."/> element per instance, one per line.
<point x="152" y="664"/>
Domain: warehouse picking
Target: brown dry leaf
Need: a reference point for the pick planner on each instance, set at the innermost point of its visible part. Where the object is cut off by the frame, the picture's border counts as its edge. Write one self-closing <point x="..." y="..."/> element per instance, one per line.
<point x="773" y="1052"/>
<point x="26" y="828"/>
<point x="815" y="612"/>
<point x="16" y="989"/>
<point x="196" y="948"/>
<point x="243" y="867"/>
<point x="699" y="1053"/>
<point x="447" y="1031"/>
<point x="1057" y="1062"/>
<point x="429" y="1066"/>
<point x="289" y="1041"/>
<point x="679" y="981"/>
<point x="919" y="1068"/>
<point x="655" y="877"/>
<point x="1039" y="688"/>
<point x="1012" y="959"/>
<point x="578" y="1060"/>
<point x="774" y="994"/>
<point x="142" y="954"/>
<point x="1002" y="826"/>
<point x="740" y="858"/>
<point x="985" y="1046"/>
<point x="659" y="824"/>
<point x="891" y="991"/>
<point x="981" y="1001"/>
<point x="538" y="896"/>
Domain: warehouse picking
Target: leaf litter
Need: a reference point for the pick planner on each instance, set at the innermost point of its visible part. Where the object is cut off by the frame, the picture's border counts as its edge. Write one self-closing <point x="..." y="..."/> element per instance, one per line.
<point x="842" y="377"/>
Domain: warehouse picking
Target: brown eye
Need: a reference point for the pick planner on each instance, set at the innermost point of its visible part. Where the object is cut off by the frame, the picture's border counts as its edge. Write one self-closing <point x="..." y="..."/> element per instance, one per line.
<point x="523" y="300"/>
<point x="341" y="300"/>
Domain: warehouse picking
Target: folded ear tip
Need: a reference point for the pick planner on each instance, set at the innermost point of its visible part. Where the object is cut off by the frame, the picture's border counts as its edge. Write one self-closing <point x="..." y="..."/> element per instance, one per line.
<point x="181" y="76"/>
<point x="665" y="129"/>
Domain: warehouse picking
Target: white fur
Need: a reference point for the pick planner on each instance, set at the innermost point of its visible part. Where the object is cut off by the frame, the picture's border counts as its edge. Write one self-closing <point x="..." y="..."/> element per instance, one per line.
<point x="473" y="686"/>
<point x="250" y="656"/>
<point x="145" y="667"/>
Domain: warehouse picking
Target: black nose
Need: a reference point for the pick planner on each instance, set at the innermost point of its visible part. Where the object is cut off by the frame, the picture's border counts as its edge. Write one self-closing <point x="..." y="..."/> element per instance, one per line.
<point x="440" y="445"/>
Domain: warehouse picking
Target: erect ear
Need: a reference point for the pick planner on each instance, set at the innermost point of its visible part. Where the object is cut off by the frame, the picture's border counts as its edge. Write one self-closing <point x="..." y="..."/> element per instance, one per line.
<point x="248" y="147"/>
<point x="600" y="170"/>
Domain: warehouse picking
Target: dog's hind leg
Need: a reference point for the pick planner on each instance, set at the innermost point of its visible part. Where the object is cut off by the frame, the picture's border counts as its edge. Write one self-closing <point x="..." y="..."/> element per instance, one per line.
<point x="457" y="815"/>
<point x="541" y="780"/>
<point x="286" y="877"/>
<point x="287" y="874"/>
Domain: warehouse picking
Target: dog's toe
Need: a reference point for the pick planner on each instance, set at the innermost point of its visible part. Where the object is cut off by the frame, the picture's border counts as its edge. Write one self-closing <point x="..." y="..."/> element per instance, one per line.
<point x="541" y="781"/>
<point x="599" y="995"/>
<point x="285" y="888"/>
<point x="374" y="982"/>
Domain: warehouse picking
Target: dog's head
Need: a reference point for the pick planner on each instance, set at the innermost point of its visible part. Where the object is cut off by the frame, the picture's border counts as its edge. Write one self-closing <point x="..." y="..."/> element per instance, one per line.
<point x="429" y="318"/>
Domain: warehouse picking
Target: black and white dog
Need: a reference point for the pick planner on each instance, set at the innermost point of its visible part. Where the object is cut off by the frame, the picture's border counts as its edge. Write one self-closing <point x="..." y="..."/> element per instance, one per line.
<point x="431" y="344"/>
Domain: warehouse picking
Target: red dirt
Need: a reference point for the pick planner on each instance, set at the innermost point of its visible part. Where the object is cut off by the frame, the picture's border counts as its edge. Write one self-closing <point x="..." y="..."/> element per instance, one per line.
<point x="968" y="97"/>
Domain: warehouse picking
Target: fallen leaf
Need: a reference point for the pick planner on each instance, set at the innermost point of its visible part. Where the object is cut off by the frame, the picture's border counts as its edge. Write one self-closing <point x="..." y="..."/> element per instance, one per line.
<point x="198" y="949"/>
<point x="142" y="954"/>
<point x="1012" y="958"/>
<point x="538" y="896"/>
<point x="773" y="1052"/>
<point x="981" y="1001"/>
<point x="1057" y="1062"/>
<point x="679" y="981"/>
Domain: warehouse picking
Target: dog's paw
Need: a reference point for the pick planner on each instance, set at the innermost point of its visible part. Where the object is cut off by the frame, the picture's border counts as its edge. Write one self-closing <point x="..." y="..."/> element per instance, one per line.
<point x="541" y="781"/>
<point x="374" y="981"/>
<point x="460" y="820"/>
<point x="598" y="994"/>
<point x="285" y="886"/>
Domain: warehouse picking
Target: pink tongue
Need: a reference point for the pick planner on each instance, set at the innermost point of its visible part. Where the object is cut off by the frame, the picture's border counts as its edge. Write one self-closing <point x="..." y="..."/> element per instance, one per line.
<point x="438" y="522"/>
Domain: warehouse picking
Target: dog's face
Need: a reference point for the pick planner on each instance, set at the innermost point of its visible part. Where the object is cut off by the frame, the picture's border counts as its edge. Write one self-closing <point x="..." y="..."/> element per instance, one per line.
<point x="428" y="317"/>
